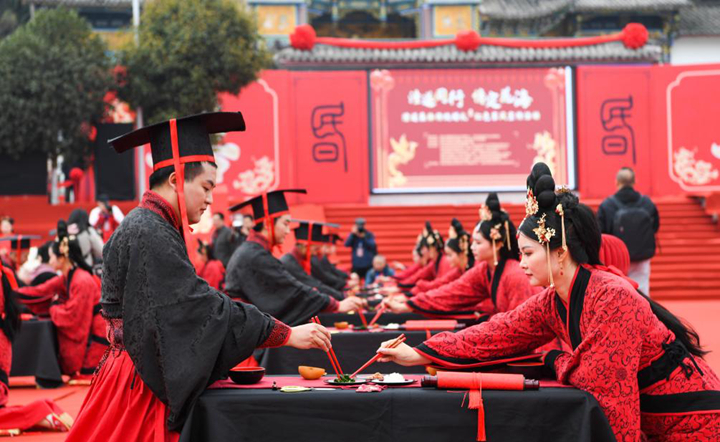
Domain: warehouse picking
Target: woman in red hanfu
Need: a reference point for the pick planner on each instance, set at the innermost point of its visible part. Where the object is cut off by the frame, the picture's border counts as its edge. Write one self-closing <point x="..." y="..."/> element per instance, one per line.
<point x="74" y="306"/>
<point x="640" y="362"/>
<point x="437" y="263"/>
<point x="458" y="254"/>
<point x="211" y="269"/>
<point x="495" y="284"/>
<point x="42" y="414"/>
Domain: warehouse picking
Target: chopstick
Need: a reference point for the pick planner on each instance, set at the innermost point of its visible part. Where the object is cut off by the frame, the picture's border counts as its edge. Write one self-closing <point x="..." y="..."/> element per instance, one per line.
<point x="399" y="340"/>
<point x="331" y="354"/>
<point x="380" y="311"/>
<point x="361" y="312"/>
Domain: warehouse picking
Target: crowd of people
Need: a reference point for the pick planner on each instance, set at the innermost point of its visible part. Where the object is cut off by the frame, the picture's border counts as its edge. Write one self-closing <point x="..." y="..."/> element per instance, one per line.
<point x="157" y="329"/>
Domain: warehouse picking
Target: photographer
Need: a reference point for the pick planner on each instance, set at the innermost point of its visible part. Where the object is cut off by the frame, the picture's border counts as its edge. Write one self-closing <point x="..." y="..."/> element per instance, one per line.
<point x="363" y="246"/>
<point x="105" y="217"/>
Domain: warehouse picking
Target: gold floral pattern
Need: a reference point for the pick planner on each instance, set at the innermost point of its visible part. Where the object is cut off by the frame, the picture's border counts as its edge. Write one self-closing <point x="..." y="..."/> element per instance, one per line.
<point x="543" y="233"/>
<point x="403" y="151"/>
<point x="692" y="171"/>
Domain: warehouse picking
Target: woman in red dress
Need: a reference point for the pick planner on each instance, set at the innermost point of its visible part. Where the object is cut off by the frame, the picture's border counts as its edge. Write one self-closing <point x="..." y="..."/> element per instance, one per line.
<point x="641" y="363"/>
<point x="42" y="414"/>
<point x="437" y="263"/>
<point x="495" y="284"/>
<point x="72" y="300"/>
<point x="211" y="269"/>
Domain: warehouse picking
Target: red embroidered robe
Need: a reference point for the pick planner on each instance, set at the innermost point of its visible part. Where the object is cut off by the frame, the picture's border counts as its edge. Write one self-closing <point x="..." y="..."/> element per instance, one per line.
<point x="622" y="355"/>
<point x="429" y="272"/>
<point x="76" y="315"/>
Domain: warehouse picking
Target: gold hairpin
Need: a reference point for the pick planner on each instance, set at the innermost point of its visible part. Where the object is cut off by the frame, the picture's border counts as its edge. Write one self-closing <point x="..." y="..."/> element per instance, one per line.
<point x="485" y="213"/>
<point x="560" y="211"/>
<point x="507" y="234"/>
<point x="544" y="235"/>
<point x="531" y="204"/>
<point x="495" y="235"/>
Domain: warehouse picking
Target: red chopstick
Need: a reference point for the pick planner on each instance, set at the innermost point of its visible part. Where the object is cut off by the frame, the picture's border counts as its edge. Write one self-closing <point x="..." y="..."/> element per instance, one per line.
<point x="361" y="312"/>
<point x="331" y="354"/>
<point x="380" y="311"/>
<point x="399" y="340"/>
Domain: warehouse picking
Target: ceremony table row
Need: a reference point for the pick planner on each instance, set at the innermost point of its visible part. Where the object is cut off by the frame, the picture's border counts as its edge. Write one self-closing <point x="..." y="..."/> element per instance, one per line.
<point x="397" y="414"/>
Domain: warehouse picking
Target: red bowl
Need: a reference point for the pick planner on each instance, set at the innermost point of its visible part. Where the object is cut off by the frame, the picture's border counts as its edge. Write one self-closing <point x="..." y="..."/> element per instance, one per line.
<point x="247" y="375"/>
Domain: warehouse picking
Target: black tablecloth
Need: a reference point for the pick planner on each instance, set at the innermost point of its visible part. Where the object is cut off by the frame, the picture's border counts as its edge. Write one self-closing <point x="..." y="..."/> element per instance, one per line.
<point x="395" y="415"/>
<point x="35" y="353"/>
<point x="328" y="319"/>
<point x="352" y="350"/>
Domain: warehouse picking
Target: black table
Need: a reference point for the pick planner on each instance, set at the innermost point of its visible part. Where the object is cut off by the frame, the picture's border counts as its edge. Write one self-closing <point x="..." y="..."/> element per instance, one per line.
<point x="352" y="349"/>
<point x="35" y="353"/>
<point x="328" y="319"/>
<point x="395" y="415"/>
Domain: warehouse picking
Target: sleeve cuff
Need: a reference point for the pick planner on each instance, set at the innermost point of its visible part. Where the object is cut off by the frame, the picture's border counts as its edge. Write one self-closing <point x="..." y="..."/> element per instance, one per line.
<point x="332" y="306"/>
<point x="278" y="337"/>
<point x="549" y="363"/>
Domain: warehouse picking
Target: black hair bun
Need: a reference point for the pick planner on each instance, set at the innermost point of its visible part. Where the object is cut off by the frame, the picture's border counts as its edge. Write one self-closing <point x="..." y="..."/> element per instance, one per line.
<point x="545" y="192"/>
<point x="538" y="170"/>
<point x="493" y="202"/>
<point x="62" y="231"/>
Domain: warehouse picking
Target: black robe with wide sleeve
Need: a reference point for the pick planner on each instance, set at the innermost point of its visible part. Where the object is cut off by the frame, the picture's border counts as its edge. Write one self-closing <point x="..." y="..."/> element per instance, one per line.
<point x="327" y="277"/>
<point x="256" y="276"/>
<point x="332" y="268"/>
<point x="181" y="334"/>
<point x="293" y="266"/>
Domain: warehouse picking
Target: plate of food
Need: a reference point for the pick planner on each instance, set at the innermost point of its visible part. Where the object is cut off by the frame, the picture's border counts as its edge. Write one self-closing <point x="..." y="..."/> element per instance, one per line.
<point x="390" y="379"/>
<point x="344" y="380"/>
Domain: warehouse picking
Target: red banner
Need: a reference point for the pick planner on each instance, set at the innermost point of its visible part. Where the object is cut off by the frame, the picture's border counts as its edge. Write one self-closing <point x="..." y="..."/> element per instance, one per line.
<point x="613" y="127"/>
<point x="658" y="120"/>
<point x="469" y="130"/>
<point x="330" y="146"/>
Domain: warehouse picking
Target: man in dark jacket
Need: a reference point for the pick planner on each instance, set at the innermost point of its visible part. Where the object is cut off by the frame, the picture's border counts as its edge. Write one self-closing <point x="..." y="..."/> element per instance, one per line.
<point x="363" y="246"/>
<point x="224" y="239"/>
<point x="633" y="218"/>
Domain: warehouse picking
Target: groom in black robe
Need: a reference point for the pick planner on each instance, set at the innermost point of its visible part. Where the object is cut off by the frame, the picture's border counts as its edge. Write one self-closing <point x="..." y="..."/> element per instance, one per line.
<point x="256" y="276"/>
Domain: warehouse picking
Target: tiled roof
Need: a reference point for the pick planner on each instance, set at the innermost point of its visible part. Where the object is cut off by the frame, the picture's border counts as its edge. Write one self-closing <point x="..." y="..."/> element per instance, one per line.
<point x="629" y="5"/>
<point x="702" y="19"/>
<point x="523" y="9"/>
<point x="337" y="57"/>
<point x="79" y="3"/>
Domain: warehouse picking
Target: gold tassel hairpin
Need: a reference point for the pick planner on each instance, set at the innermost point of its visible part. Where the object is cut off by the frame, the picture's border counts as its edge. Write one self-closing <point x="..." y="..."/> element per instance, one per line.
<point x="495" y="235"/>
<point x="560" y="211"/>
<point x="507" y="234"/>
<point x="544" y="235"/>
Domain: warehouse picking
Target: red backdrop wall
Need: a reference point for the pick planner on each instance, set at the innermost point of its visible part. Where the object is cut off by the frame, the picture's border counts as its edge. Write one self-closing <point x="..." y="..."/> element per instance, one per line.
<point x="660" y="120"/>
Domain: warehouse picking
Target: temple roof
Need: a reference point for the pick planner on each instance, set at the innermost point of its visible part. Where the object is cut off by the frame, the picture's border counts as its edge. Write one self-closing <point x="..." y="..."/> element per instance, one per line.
<point x="701" y="19"/>
<point x="486" y="55"/>
<point x="80" y="3"/>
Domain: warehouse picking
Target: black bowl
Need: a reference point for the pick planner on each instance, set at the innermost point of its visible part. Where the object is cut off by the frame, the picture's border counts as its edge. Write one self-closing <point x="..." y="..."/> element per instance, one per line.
<point x="247" y="375"/>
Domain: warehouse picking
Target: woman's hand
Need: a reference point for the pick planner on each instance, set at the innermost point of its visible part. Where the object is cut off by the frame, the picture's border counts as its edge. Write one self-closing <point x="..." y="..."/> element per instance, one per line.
<point x="307" y="336"/>
<point x="403" y="354"/>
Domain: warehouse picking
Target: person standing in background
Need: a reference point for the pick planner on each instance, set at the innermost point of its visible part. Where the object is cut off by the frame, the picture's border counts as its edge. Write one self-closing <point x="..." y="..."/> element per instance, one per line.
<point x="634" y="219"/>
<point x="363" y="246"/>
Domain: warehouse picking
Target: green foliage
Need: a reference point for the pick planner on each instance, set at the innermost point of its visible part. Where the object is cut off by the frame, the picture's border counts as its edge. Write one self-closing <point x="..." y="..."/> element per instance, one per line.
<point x="54" y="73"/>
<point x="188" y="52"/>
<point x="13" y="13"/>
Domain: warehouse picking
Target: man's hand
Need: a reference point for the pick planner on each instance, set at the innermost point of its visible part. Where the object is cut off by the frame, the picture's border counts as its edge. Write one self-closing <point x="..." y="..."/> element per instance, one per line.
<point x="397" y="265"/>
<point x="309" y="336"/>
<point x="397" y="304"/>
<point x="353" y="303"/>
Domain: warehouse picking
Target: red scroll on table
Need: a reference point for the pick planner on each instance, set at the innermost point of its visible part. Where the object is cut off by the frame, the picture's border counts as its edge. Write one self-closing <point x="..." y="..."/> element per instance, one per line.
<point x="431" y="324"/>
<point x="475" y="382"/>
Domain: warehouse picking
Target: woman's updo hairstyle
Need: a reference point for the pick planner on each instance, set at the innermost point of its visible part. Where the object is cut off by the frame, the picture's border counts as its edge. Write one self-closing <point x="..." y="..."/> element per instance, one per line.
<point x="67" y="246"/>
<point x="460" y="244"/>
<point x="495" y="224"/>
<point x="545" y="209"/>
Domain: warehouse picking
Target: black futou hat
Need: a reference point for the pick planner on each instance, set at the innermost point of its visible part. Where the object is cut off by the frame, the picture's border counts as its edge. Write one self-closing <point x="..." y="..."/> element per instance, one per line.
<point x="192" y="137"/>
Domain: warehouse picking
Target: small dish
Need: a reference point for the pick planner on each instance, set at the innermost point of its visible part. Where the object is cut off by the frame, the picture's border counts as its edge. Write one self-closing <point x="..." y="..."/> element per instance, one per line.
<point x="311" y="373"/>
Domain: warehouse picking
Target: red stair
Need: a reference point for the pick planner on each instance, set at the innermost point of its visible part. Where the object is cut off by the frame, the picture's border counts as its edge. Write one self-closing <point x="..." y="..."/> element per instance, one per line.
<point x="684" y="267"/>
